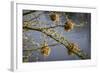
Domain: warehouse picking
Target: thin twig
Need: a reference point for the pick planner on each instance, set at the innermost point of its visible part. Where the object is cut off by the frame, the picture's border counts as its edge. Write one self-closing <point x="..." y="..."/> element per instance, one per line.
<point x="33" y="18"/>
<point x="28" y="12"/>
<point x="54" y="26"/>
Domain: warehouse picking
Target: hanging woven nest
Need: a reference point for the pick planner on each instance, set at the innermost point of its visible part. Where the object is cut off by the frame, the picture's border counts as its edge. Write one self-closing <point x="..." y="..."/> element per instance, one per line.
<point x="69" y="25"/>
<point x="45" y="50"/>
<point x="54" y="17"/>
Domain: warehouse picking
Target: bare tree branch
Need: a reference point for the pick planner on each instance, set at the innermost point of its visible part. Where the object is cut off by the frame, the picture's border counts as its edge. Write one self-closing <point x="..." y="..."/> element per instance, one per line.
<point x="57" y="37"/>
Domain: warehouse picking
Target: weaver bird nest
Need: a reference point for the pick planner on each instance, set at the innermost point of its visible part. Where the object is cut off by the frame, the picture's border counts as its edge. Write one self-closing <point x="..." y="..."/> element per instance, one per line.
<point x="69" y="25"/>
<point x="54" y="17"/>
<point x="45" y="50"/>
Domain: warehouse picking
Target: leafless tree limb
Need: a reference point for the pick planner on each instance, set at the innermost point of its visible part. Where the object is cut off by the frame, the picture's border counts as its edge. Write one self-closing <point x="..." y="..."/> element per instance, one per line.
<point x="52" y="34"/>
